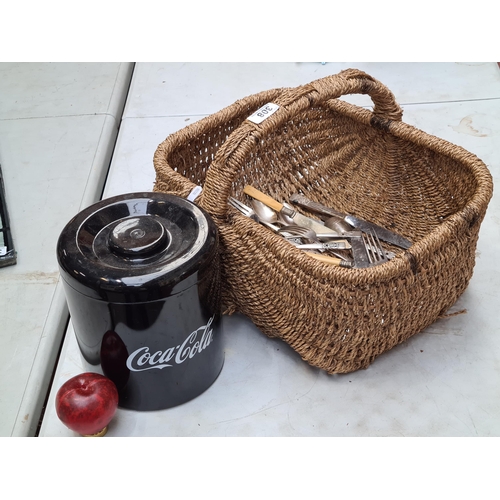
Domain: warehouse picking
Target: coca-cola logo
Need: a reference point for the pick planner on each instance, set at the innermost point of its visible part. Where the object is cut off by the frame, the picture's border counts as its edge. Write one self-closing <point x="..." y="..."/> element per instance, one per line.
<point x="198" y="340"/>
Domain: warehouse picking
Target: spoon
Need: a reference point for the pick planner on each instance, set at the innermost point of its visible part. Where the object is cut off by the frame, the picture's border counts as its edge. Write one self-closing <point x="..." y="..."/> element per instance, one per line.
<point x="285" y="219"/>
<point x="335" y="223"/>
<point x="265" y="213"/>
<point x="339" y="225"/>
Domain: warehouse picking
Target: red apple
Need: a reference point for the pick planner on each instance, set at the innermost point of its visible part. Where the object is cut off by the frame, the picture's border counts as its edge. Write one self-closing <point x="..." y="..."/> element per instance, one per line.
<point x="87" y="403"/>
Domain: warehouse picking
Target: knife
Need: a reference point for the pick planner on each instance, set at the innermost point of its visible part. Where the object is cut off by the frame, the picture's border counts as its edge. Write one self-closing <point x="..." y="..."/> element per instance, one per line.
<point x="330" y="245"/>
<point x="383" y="233"/>
<point x="300" y="220"/>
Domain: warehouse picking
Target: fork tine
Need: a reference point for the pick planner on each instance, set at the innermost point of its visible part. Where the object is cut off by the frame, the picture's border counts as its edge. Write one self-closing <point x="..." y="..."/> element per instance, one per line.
<point x="371" y="248"/>
<point x="374" y="249"/>
<point x="303" y="232"/>
<point x="366" y="242"/>
<point x="297" y="230"/>
<point x="239" y="206"/>
<point x="247" y="211"/>
<point x="380" y="249"/>
<point x="233" y="202"/>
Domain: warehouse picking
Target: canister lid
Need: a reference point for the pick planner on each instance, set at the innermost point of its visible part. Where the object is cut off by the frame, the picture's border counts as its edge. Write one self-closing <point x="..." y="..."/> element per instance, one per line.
<point x="136" y="247"/>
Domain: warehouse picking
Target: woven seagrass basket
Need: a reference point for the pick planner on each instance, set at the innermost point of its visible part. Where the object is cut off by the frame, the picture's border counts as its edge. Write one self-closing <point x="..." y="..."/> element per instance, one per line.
<point x="366" y="163"/>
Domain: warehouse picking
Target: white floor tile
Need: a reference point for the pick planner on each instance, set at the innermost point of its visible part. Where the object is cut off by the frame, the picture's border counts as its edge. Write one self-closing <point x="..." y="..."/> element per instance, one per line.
<point x="131" y="168"/>
<point x="35" y="90"/>
<point x="41" y="200"/>
<point x="471" y="125"/>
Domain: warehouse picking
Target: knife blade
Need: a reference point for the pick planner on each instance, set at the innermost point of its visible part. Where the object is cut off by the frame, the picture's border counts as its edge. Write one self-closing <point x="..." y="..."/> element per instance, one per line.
<point x="299" y="219"/>
<point x="382" y="233"/>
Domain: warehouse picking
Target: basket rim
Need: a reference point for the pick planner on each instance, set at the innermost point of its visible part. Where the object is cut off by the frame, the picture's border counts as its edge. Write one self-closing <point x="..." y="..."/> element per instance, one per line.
<point x="397" y="128"/>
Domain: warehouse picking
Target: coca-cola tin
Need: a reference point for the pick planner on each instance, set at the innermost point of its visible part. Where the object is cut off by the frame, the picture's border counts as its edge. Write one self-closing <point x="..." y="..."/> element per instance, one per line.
<point x="141" y="277"/>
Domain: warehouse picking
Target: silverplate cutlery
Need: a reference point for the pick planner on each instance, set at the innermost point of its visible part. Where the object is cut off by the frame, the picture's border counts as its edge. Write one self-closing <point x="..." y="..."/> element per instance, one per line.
<point x="250" y="212"/>
<point x="298" y="218"/>
<point x="360" y="224"/>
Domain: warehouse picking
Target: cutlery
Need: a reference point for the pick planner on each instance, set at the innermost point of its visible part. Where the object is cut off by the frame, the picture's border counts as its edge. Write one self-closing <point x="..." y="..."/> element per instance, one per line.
<point x="264" y="213"/>
<point x="330" y="260"/>
<point x="376" y="254"/>
<point x="360" y="224"/>
<point x="299" y="219"/>
<point x="291" y="232"/>
<point x="250" y="212"/>
<point x="331" y="245"/>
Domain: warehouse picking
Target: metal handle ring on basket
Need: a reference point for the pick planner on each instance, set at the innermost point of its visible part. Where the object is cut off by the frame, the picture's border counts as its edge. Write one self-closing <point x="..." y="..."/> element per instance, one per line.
<point x="227" y="162"/>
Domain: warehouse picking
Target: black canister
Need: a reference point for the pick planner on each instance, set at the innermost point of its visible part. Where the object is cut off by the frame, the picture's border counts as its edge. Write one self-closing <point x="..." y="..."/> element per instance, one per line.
<point x="141" y="277"/>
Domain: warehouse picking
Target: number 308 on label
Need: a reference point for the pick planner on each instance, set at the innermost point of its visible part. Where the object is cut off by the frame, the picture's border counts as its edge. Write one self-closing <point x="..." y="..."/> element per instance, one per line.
<point x="262" y="113"/>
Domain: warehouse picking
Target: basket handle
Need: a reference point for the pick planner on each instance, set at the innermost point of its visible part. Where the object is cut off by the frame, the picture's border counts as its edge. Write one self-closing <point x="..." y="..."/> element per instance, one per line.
<point x="226" y="164"/>
<point x="353" y="81"/>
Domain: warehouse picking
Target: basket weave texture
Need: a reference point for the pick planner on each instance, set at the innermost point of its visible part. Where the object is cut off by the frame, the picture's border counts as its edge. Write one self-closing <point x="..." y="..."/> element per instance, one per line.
<point x="366" y="163"/>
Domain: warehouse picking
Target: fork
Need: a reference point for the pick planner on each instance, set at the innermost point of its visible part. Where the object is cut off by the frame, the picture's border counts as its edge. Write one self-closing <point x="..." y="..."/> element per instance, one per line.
<point x="376" y="254"/>
<point x="249" y="212"/>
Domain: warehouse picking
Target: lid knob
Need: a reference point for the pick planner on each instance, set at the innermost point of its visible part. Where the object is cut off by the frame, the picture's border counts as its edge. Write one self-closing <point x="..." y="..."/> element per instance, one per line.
<point x="137" y="236"/>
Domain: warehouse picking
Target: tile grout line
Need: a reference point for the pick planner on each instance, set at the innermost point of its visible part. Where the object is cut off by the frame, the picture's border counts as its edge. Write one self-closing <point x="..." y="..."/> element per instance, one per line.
<point x="118" y="125"/>
<point x="450" y="102"/>
<point x="58" y="116"/>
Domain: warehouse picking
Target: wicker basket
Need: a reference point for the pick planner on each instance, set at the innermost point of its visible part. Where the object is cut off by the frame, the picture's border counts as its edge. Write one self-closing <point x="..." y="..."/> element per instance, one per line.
<point x="366" y="163"/>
